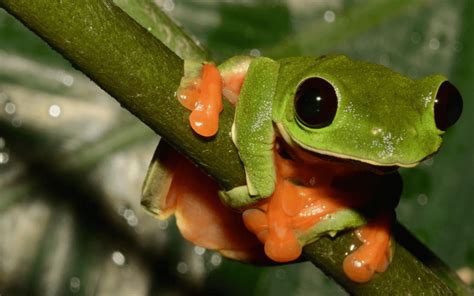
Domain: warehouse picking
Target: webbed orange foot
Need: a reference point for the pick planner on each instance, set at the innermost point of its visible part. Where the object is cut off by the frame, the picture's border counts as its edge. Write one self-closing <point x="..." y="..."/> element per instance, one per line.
<point x="374" y="253"/>
<point x="204" y="98"/>
<point x="290" y="211"/>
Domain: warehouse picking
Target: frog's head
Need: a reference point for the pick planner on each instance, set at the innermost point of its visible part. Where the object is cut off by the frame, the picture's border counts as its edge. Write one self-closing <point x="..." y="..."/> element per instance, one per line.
<point x="365" y="112"/>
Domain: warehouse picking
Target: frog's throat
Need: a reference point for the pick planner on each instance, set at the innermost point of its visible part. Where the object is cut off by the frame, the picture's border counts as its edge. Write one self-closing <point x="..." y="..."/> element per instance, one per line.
<point x="293" y="142"/>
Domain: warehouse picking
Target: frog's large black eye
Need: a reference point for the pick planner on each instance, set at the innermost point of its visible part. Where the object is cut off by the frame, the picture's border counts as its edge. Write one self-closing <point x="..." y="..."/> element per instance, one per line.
<point x="448" y="106"/>
<point x="315" y="103"/>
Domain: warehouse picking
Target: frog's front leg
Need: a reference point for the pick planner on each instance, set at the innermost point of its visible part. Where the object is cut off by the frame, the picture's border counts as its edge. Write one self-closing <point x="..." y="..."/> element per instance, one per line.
<point x="253" y="134"/>
<point x="250" y="83"/>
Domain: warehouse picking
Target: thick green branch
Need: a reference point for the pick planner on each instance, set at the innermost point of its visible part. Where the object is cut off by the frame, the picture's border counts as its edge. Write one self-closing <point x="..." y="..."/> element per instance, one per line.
<point x="142" y="74"/>
<point x="130" y="64"/>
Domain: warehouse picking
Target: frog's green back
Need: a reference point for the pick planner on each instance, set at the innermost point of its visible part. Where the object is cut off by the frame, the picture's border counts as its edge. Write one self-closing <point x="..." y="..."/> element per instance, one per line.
<point x="382" y="118"/>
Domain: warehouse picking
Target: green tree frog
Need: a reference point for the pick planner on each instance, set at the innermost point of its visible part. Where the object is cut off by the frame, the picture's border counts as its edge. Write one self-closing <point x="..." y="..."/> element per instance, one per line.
<point x="320" y="139"/>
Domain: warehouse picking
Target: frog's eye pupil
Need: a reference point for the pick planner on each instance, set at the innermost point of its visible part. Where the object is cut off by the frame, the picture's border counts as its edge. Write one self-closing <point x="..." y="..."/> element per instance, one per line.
<point x="315" y="103"/>
<point x="448" y="106"/>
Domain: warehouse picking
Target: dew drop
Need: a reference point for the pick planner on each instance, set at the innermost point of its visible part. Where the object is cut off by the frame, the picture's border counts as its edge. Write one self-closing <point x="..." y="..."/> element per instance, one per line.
<point x="4" y="157"/>
<point x="422" y="199"/>
<point x="329" y="16"/>
<point x="255" y="52"/>
<point x="434" y="44"/>
<point x="199" y="250"/>
<point x="75" y="284"/>
<point x="216" y="259"/>
<point x="10" y="108"/>
<point x="163" y="225"/>
<point x="118" y="258"/>
<point x="54" y="111"/>
<point x="168" y="5"/>
<point x="182" y="268"/>
<point x="130" y="216"/>
<point x="67" y="79"/>
<point x="16" y="122"/>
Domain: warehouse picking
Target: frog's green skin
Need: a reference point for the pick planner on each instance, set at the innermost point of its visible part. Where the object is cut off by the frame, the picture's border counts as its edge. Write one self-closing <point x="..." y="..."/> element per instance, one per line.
<point x="383" y="118"/>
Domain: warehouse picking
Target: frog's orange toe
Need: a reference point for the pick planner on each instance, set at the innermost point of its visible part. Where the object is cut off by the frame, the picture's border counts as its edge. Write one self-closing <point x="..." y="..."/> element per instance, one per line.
<point x="204" y="122"/>
<point x="256" y="221"/>
<point x="373" y="254"/>
<point x="357" y="269"/>
<point x="283" y="250"/>
<point x="204" y="99"/>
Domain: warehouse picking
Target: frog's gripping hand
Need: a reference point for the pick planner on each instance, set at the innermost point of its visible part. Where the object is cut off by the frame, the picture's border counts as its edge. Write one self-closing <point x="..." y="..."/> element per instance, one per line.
<point x="253" y="134"/>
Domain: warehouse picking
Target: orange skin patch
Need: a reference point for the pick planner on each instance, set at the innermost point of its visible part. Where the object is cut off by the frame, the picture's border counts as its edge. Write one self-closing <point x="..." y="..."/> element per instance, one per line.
<point x="204" y="99"/>
<point x="205" y="221"/>
<point x="374" y="253"/>
<point x="292" y="209"/>
<point x="232" y="85"/>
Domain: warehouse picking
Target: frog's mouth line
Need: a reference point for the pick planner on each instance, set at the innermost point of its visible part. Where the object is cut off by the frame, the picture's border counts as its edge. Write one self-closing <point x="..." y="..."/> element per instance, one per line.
<point x="340" y="158"/>
<point x="309" y="156"/>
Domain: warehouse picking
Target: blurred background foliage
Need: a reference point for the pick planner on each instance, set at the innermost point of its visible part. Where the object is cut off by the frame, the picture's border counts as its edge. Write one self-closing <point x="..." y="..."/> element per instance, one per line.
<point x="72" y="161"/>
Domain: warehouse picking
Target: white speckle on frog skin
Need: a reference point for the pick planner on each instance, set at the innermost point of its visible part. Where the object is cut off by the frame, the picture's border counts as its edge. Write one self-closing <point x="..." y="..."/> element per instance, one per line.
<point x="376" y="130"/>
<point x="427" y="99"/>
<point x="385" y="144"/>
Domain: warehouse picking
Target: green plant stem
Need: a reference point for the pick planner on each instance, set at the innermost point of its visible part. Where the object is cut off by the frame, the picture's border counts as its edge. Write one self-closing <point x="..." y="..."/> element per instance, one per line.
<point x="142" y="74"/>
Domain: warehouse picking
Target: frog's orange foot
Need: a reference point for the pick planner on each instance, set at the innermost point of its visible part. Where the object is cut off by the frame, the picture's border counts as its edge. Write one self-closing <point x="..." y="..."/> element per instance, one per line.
<point x="204" y="98"/>
<point x="374" y="253"/>
<point x="290" y="211"/>
<point x="280" y="242"/>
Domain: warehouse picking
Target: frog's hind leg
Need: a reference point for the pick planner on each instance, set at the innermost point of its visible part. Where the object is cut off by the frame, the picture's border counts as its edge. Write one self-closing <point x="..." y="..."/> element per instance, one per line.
<point x="374" y="253"/>
<point x="201" y="217"/>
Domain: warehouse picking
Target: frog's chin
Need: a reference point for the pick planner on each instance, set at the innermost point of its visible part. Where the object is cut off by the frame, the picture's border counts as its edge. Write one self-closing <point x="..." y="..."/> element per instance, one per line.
<point x="310" y="155"/>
